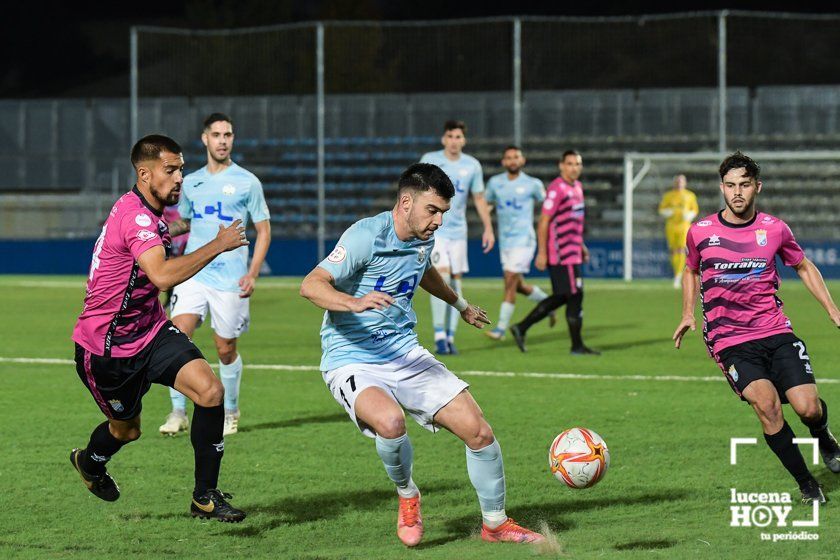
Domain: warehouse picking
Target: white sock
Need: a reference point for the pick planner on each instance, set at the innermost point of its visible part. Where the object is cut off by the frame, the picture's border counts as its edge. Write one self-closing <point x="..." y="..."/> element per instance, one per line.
<point x="231" y="375"/>
<point x="179" y="402"/>
<point x="505" y="314"/>
<point x="454" y="316"/>
<point x="537" y="295"/>
<point x="439" y="309"/>
<point x="487" y="475"/>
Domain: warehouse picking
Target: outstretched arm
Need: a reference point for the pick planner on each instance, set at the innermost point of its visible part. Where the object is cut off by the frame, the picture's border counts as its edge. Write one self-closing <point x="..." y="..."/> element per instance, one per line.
<point x="691" y="287"/>
<point x="434" y="284"/>
<point x="165" y="274"/>
<point x="813" y="280"/>
<point x="318" y="288"/>
<point x="488" y="239"/>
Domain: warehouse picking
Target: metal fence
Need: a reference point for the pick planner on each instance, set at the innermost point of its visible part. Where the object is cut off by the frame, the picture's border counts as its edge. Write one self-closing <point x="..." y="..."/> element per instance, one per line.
<point x="316" y="93"/>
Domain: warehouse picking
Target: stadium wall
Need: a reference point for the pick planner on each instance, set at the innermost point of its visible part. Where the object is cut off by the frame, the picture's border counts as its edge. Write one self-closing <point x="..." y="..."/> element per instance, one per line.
<point x="296" y="257"/>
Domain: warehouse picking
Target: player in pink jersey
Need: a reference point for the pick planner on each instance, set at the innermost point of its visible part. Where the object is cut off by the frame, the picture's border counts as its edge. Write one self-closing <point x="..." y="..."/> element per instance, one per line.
<point x="731" y="264"/>
<point x="560" y="246"/>
<point x="124" y="342"/>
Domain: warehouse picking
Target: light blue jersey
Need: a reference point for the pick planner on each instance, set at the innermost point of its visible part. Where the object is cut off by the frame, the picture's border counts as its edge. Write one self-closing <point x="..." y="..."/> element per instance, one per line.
<point x="208" y="200"/>
<point x="370" y="257"/>
<point x="514" y="202"/>
<point x="467" y="177"/>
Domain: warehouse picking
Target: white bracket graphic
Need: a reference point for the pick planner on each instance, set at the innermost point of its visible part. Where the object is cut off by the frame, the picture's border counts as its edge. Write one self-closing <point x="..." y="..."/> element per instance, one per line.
<point x="733" y="447"/>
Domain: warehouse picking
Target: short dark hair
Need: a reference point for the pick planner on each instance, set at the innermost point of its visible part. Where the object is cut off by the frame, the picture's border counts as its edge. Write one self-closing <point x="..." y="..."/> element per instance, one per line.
<point x="511" y="147"/>
<point x="423" y="177"/>
<point x="149" y="148"/>
<point x="568" y="153"/>
<point x="737" y="161"/>
<point x="216" y="117"/>
<point x="453" y="124"/>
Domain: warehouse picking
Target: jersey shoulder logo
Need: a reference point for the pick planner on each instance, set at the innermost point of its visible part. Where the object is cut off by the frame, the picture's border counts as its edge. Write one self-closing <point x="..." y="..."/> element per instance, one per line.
<point x="145" y="235"/>
<point x="143" y="220"/>
<point x="761" y="237"/>
<point x="338" y="254"/>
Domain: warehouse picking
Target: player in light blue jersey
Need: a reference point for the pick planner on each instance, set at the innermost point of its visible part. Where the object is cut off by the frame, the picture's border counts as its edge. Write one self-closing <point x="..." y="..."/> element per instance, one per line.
<point x="372" y="362"/>
<point x="514" y="194"/>
<point x="217" y="194"/>
<point x="450" y="254"/>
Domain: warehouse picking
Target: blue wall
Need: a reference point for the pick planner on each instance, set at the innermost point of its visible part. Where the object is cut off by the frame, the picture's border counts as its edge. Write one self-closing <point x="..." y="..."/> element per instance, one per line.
<point x="296" y="257"/>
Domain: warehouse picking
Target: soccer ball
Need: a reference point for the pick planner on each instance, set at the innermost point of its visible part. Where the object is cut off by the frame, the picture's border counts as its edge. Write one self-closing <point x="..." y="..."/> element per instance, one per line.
<point x="579" y="458"/>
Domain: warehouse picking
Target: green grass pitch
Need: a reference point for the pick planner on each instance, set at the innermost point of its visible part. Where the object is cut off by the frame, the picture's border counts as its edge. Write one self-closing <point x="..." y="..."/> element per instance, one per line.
<point x="314" y="488"/>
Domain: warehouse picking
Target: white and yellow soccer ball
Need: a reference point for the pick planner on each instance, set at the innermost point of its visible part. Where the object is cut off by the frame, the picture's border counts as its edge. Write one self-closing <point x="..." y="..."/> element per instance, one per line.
<point x="579" y="458"/>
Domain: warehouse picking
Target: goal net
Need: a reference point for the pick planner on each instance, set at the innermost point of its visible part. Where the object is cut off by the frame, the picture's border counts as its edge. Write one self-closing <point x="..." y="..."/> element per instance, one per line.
<point x="799" y="187"/>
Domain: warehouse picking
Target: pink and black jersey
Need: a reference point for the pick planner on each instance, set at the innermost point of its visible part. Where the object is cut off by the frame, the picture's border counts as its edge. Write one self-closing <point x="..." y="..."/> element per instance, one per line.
<point x="565" y="208"/>
<point x="122" y="312"/>
<point x="738" y="277"/>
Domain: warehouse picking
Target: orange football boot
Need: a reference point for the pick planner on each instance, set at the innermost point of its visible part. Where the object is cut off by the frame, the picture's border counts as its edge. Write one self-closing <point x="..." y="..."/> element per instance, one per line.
<point x="409" y="521"/>
<point x="509" y="531"/>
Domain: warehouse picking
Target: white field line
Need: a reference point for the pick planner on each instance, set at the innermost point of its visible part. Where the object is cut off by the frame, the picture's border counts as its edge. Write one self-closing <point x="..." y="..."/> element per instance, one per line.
<point x="468" y="373"/>
<point x="272" y="284"/>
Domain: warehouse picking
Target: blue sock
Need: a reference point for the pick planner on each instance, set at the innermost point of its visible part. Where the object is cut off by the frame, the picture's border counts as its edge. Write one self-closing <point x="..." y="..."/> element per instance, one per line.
<point x="398" y="457"/>
<point x="487" y="474"/>
<point x="179" y="401"/>
<point x="231" y="375"/>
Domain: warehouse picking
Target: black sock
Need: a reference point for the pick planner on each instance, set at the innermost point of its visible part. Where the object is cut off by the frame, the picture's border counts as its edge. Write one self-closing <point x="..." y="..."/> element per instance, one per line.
<point x="209" y="446"/>
<point x="782" y="445"/>
<point x="541" y="311"/>
<point x="575" y="326"/>
<point x="819" y="430"/>
<point x="100" y="449"/>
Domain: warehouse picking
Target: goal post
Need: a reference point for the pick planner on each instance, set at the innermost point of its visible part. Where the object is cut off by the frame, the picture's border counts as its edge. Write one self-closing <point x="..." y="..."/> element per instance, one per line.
<point x="799" y="186"/>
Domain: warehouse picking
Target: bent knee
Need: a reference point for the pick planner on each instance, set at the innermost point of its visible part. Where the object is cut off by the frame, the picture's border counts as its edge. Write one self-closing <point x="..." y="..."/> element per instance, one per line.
<point x="126" y="434"/>
<point x="212" y="395"/>
<point x="481" y="437"/>
<point x="812" y="412"/>
<point x="391" y="427"/>
<point x="768" y="409"/>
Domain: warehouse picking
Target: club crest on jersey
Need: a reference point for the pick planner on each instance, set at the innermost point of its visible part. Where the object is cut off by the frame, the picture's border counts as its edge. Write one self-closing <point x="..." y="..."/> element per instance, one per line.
<point x="228" y="190"/>
<point x="761" y="237"/>
<point x="116" y="405"/>
<point x="714" y="241"/>
<point x="421" y="255"/>
<point x="733" y="373"/>
<point x="464" y="172"/>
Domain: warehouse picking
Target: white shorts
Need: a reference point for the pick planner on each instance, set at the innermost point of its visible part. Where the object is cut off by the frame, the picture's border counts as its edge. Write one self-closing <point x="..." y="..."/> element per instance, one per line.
<point x="451" y="254"/>
<point x="417" y="381"/>
<point x="229" y="313"/>
<point x="518" y="259"/>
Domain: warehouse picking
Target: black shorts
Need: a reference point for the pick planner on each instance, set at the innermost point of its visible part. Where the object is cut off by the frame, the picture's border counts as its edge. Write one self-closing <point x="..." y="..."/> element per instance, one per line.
<point x="118" y="384"/>
<point x="566" y="279"/>
<point x="782" y="359"/>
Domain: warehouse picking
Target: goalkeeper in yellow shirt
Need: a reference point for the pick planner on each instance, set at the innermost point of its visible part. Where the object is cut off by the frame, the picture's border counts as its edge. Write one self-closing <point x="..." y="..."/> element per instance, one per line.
<point x="678" y="207"/>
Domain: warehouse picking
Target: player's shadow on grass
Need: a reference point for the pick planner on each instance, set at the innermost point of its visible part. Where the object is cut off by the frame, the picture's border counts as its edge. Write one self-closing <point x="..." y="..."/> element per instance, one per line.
<point x="828" y="480"/>
<point x="555" y="514"/>
<point x="295" y="422"/>
<point x="646" y="545"/>
<point x="293" y="510"/>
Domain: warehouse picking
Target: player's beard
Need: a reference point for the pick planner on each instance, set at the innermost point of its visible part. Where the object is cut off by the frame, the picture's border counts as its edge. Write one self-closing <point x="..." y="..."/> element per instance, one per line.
<point x="747" y="211"/>
<point x="169" y="199"/>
